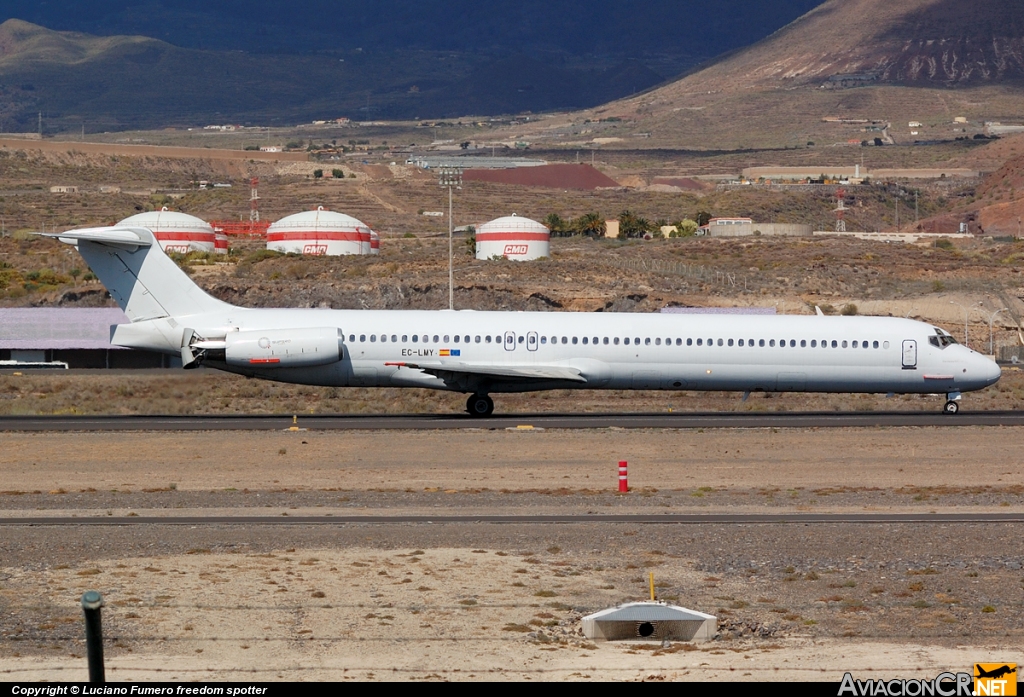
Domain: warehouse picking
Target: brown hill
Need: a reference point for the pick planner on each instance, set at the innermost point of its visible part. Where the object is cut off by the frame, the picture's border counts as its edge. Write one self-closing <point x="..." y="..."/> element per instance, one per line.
<point x="916" y="60"/>
<point x="919" y="42"/>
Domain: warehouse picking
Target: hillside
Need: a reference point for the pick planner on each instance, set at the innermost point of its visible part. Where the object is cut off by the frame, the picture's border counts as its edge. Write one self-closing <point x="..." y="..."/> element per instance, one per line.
<point x="926" y="61"/>
<point x="320" y="60"/>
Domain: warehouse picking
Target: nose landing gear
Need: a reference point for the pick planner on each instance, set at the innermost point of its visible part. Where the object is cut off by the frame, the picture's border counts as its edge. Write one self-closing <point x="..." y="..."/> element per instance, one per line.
<point x="952" y="406"/>
<point x="479" y="405"/>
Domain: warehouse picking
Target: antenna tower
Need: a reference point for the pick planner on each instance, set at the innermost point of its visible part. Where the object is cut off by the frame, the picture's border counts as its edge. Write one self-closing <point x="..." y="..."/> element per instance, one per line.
<point x="254" y="202"/>
<point x="840" y="211"/>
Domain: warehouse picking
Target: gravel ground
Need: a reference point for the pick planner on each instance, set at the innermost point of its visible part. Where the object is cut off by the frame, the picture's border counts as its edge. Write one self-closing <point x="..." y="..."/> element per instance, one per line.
<point x="468" y="601"/>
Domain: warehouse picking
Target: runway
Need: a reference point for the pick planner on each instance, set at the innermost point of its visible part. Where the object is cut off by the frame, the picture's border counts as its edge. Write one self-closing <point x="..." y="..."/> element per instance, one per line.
<point x="638" y="519"/>
<point x="668" y="420"/>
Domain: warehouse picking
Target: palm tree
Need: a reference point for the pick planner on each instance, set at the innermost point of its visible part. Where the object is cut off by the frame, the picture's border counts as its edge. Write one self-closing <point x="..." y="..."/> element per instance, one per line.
<point x="590" y="224"/>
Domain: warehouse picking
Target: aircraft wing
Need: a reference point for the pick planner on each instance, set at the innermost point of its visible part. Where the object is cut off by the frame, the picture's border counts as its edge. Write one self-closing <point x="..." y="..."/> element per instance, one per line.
<point x="450" y="372"/>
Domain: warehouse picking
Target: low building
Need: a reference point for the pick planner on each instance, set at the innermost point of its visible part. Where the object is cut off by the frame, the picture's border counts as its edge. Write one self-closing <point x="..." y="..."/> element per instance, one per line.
<point x="62" y="189"/>
<point x="746" y="227"/>
<point x="78" y="337"/>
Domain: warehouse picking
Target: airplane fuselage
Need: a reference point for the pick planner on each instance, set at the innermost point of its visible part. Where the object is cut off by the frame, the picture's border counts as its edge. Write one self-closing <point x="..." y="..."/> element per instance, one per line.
<point x="612" y="350"/>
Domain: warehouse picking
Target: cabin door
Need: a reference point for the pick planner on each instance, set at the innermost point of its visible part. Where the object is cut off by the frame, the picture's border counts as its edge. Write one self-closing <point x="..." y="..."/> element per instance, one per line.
<point x="910" y="354"/>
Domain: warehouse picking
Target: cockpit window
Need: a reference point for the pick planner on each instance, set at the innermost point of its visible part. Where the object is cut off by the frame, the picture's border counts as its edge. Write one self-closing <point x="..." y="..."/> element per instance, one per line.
<point x="941" y="340"/>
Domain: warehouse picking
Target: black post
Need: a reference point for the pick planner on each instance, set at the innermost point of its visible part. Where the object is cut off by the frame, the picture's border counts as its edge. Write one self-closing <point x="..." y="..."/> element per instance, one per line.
<point x="91" y="604"/>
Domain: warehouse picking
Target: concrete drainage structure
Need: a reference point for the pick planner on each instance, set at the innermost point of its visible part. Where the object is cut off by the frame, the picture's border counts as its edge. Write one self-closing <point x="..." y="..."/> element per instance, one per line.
<point x="651" y="621"/>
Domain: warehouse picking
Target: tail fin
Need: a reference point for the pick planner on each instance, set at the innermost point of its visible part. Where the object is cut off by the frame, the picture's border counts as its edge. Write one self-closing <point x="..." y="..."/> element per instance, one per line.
<point x="143" y="280"/>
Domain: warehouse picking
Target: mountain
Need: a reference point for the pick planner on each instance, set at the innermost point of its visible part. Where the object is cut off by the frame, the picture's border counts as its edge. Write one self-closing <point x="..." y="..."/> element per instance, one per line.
<point x="822" y="78"/>
<point x="259" y="61"/>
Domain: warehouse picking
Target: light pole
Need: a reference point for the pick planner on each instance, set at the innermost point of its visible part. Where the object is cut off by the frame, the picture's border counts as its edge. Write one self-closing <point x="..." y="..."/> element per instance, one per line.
<point x="966" y="313"/>
<point x="991" y="321"/>
<point x="452" y="178"/>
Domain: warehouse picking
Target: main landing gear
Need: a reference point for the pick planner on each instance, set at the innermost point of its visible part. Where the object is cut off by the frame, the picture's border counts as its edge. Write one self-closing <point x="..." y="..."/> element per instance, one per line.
<point x="952" y="405"/>
<point x="479" y="405"/>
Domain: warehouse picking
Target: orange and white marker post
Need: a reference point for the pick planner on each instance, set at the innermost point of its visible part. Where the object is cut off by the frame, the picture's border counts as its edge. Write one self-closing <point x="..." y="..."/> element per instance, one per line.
<point x="623" y="478"/>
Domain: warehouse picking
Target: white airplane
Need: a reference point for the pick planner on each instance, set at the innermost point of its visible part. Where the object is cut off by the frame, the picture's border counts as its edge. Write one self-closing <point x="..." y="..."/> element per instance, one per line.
<point x="481" y="353"/>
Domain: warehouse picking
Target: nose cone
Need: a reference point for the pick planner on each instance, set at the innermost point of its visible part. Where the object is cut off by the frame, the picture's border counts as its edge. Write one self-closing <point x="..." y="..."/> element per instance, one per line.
<point x="985" y="369"/>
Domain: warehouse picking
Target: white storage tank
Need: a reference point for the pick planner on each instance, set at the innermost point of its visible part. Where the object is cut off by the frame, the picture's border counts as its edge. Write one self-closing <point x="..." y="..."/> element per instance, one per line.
<point x="176" y="232"/>
<point x="513" y="237"/>
<point x="319" y="232"/>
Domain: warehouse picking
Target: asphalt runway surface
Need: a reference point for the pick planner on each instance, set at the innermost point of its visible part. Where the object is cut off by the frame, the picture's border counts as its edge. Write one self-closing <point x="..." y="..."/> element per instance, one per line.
<point x="463" y="421"/>
<point x="666" y="519"/>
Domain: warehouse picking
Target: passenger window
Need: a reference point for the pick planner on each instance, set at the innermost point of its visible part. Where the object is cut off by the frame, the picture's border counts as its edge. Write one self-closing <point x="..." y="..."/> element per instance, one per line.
<point x="415" y="338"/>
<point x="835" y="344"/>
<point x="741" y="342"/>
<point x="772" y="343"/>
<point x="689" y="342"/>
<point x="814" y="343"/>
<point x="844" y="344"/>
<point x="585" y="341"/>
<point x="626" y="341"/>
<point x="874" y="344"/>
<point x="803" y="343"/>
<point x="864" y="344"/>
<point x="657" y="342"/>
<point x="636" y="340"/>
<point x="647" y="341"/>
<point x="352" y="337"/>
<point x="467" y="338"/>
<point x="394" y="338"/>
<point x="487" y="338"/>
<point x="436" y="337"/>
<point x="476" y="339"/>
<point x="761" y="343"/>
<point x="373" y="338"/>
<point x="543" y="340"/>
<point x="700" y="342"/>
<point x="405" y="337"/>
<point x="885" y="344"/>
<point x="730" y="342"/>
<point x="615" y="341"/>
<point x="446" y="340"/>
<point x="456" y="338"/>
<point x="854" y="344"/>
<point x="679" y="342"/>
<point x="606" y="341"/>
<point x="362" y="337"/>
<point x="575" y="341"/>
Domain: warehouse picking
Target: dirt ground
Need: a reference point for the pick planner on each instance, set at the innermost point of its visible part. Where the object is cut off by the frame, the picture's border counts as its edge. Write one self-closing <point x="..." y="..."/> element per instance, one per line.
<point x="485" y="601"/>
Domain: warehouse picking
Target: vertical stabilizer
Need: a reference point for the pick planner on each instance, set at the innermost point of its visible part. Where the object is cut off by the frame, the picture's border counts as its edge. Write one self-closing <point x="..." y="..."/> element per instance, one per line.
<point x="143" y="280"/>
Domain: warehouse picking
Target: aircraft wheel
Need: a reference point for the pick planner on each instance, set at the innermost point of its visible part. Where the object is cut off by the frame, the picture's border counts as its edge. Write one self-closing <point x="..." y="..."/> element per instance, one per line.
<point x="479" y="405"/>
<point x="951" y="407"/>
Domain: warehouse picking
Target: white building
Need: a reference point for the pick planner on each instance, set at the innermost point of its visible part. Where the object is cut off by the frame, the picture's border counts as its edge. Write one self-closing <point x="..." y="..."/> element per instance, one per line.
<point x="513" y="237"/>
<point x="319" y="232"/>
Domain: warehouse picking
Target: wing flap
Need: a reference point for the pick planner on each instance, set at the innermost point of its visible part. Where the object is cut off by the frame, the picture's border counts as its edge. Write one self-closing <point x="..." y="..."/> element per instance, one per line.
<point x="520" y="372"/>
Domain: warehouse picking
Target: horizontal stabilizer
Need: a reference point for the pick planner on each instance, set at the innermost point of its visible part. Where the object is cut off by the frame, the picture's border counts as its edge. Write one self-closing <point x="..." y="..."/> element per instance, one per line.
<point x="532" y="372"/>
<point x="108" y="236"/>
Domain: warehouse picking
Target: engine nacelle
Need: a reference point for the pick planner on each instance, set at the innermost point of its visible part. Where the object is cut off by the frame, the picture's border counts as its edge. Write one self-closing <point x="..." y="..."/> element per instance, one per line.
<point x="284" y="348"/>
